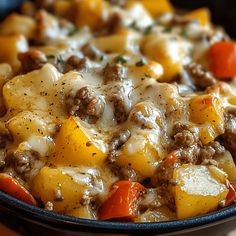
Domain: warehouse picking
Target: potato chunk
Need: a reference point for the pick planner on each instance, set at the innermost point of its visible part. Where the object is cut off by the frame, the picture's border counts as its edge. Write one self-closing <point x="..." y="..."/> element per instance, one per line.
<point x="48" y="181"/>
<point x="84" y="212"/>
<point x="152" y="69"/>
<point x="76" y="145"/>
<point x="13" y="45"/>
<point x="116" y="43"/>
<point x="140" y="154"/>
<point x="16" y="23"/>
<point x="25" y="124"/>
<point x="89" y="12"/>
<point x="198" y="191"/>
<point x="202" y="15"/>
<point x="169" y="53"/>
<point x="207" y="110"/>
<point x="226" y="163"/>
<point x="157" y="8"/>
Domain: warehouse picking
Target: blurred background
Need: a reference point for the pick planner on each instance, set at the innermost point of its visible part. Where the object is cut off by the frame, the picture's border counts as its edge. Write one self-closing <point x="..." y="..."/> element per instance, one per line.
<point x="223" y="11"/>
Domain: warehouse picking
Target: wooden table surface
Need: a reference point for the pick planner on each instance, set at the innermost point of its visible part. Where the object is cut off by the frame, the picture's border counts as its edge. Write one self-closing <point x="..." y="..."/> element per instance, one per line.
<point x="4" y="231"/>
<point x="7" y="232"/>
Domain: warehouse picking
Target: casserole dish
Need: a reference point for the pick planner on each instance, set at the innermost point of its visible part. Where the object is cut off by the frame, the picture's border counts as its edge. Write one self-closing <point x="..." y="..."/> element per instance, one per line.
<point x="78" y="226"/>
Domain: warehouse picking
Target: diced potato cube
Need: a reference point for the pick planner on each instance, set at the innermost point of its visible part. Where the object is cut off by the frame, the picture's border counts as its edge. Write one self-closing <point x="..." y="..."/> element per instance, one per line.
<point x="116" y="43"/>
<point x="218" y="174"/>
<point x="76" y="145"/>
<point x="202" y="15"/>
<point x="25" y="124"/>
<point x="89" y="12"/>
<point x="169" y="53"/>
<point x="197" y="191"/>
<point x="226" y="163"/>
<point x="140" y="154"/>
<point x="157" y="8"/>
<point x="28" y="8"/>
<point x="5" y="73"/>
<point x="63" y="8"/>
<point x="13" y="45"/>
<point x="152" y="69"/>
<point x="208" y="110"/>
<point x="49" y="181"/>
<point x="84" y="212"/>
<point x="161" y="214"/>
<point x="134" y="9"/>
<point x="16" y="23"/>
<point x="208" y="133"/>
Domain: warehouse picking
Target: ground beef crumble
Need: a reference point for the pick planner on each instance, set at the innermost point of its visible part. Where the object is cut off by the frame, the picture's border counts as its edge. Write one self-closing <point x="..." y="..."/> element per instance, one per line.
<point x="199" y="76"/>
<point x="86" y="104"/>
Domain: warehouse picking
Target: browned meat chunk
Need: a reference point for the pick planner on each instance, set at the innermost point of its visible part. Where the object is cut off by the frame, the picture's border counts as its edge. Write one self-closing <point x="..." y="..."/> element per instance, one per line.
<point x="22" y="161"/>
<point x="32" y="60"/>
<point x="76" y="63"/>
<point x="184" y="138"/>
<point x="45" y="4"/>
<point x="120" y="111"/>
<point x="200" y="77"/>
<point x="86" y="104"/>
<point x="127" y="173"/>
<point x="47" y="28"/>
<point x="118" y="2"/>
<point x="150" y="200"/>
<point x="229" y="137"/>
<point x="91" y="52"/>
<point x="4" y="138"/>
<point x="116" y="142"/>
<point x="191" y="150"/>
<point x="113" y="72"/>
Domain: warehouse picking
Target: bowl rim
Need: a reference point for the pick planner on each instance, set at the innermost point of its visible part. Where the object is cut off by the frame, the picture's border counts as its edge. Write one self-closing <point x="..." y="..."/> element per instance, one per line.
<point x="42" y="216"/>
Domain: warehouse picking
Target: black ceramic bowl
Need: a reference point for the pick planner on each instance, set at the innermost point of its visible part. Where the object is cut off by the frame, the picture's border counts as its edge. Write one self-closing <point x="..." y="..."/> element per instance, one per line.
<point x="30" y="220"/>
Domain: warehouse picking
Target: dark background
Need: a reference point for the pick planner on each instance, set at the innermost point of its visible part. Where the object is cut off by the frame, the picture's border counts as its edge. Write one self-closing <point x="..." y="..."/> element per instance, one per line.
<point x="223" y="11"/>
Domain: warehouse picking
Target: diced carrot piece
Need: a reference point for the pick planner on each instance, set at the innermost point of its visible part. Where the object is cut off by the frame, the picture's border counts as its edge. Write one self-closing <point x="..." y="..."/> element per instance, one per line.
<point x="122" y="202"/>
<point x="12" y="187"/>
<point x="223" y="59"/>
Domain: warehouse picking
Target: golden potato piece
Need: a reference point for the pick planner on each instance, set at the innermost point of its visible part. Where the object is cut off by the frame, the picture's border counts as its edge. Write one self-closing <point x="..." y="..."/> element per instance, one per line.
<point x="16" y="23"/>
<point x="207" y="110"/>
<point x="202" y="15"/>
<point x="25" y="124"/>
<point x="13" y="45"/>
<point x="157" y="8"/>
<point x="140" y="154"/>
<point x="152" y="69"/>
<point x="49" y="181"/>
<point x="169" y="53"/>
<point x="76" y="146"/>
<point x="84" y="212"/>
<point x="88" y="12"/>
<point x="197" y="191"/>
<point x="226" y="163"/>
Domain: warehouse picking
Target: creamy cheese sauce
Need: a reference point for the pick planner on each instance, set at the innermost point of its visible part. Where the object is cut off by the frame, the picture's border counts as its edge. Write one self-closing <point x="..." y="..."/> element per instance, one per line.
<point x="147" y="93"/>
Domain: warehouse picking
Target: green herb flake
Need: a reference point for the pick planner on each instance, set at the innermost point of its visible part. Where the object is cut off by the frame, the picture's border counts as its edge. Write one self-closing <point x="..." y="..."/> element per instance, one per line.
<point x="141" y="63"/>
<point x="51" y="57"/>
<point x="73" y="32"/>
<point x="157" y="21"/>
<point x="121" y="60"/>
<point x="60" y="59"/>
<point x="134" y="26"/>
<point x="147" y="75"/>
<point x="167" y="29"/>
<point x="184" y="33"/>
<point x="147" y="30"/>
<point x="102" y="57"/>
